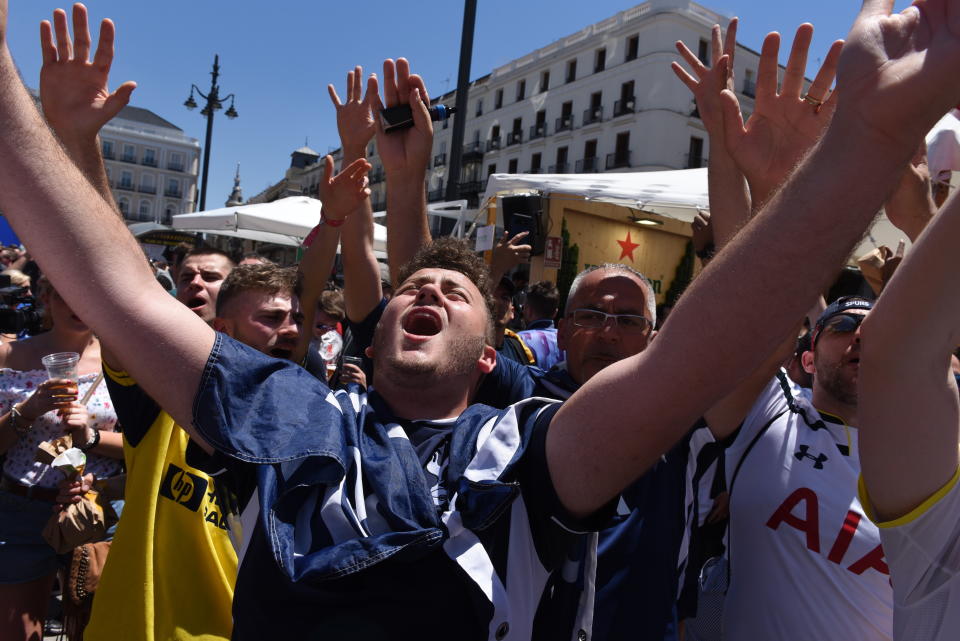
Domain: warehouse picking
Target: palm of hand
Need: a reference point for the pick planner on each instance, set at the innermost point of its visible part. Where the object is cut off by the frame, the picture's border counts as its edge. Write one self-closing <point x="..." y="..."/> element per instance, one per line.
<point x="74" y="93"/>
<point x="774" y="142"/>
<point x="399" y="149"/>
<point x="884" y="72"/>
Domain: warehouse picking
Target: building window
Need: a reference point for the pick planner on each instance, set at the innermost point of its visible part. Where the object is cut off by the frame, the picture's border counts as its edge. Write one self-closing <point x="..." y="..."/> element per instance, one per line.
<point x="150" y="157"/>
<point x="521" y="89"/>
<point x="175" y="161"/>
<point x="491" y="169"/>
<point x="126" y="180"/>
<point x="544" y="81"/>
<point x="124" y="205"/>
<point x="147" y="184"/>
<point x="695" y="153"/>
<point x="169" y="211"/>
<point x="129" y="154"/>
<point x="498" y="99"/>
<point x="107" y="147"/>
<point x="571" y="70"/>
<point x="595" y="112"/>
<point x="516" y="134"/>
<point x="144" y="210"/>
<point x="565" y="121"/>
<point x="627" y="102"/>
<point x="479" y="111"/>
<point x="621" y="154"/>
<point x="588" y="164"/>
<point x="703" y="52"/>
<point x="536" y="161"/>
<point x="512" y="166"/>
<point x="749" y="83"/>
<point x="600" y="60"/>
<point x="561" y="166"/>
<point x="633" y="47"/>
<point x="173" y="188"/>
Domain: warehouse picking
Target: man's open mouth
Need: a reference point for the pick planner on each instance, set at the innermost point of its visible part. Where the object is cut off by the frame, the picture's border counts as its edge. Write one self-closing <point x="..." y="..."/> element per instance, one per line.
<point x="196" y="302"/>
<point x="281" y="352"/>
<point x="422" y="322"/>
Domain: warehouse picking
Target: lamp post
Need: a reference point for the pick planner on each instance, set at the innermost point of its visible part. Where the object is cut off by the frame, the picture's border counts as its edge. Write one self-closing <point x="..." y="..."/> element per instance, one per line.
<point x="213" y="104"/>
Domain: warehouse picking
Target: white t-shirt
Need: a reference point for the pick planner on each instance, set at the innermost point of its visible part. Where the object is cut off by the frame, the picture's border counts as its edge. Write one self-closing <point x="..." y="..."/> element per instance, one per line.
<point x="806" y="562"/>
<point x="924" y="552"/>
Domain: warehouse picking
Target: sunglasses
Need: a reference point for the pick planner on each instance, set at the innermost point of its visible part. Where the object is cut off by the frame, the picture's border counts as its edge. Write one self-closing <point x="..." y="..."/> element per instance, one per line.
<point x="841" y="324"/>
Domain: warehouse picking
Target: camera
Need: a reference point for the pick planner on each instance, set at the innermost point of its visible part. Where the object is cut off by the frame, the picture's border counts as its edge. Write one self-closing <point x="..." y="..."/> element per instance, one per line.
<point x="18" y="310"/>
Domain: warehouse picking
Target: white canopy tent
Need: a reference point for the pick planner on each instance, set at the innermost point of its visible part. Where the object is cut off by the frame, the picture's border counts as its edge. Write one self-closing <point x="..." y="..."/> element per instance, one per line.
<point x="676" y="194"/>
<point x="284" y="222"/>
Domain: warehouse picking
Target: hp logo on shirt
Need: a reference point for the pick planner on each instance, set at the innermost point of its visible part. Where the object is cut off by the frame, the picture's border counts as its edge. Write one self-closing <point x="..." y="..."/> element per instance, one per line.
<point x="183" y="487"/>
<point x="818" y="460"/>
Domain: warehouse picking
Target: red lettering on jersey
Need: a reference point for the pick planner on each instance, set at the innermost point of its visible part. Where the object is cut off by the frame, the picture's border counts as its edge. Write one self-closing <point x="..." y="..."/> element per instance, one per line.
<point x="844" y="537"/>
<point x="810" y="525"/>
<point x="873" y="559"/>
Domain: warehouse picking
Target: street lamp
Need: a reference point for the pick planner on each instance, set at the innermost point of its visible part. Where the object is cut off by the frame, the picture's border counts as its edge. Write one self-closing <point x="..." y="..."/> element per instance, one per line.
<point x="213" y="104"/>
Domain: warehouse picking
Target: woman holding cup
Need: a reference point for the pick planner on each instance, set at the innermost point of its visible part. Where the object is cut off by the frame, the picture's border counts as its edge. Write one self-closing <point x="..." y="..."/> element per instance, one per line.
<point x="36" y="407"/>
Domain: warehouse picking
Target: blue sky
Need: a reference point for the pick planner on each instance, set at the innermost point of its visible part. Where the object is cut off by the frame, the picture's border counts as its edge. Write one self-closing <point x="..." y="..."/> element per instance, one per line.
<point x="278" y="57"/>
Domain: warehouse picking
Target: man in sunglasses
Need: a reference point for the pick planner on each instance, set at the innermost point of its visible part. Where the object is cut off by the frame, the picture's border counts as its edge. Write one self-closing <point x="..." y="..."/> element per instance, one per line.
<point x="792" y="470"/>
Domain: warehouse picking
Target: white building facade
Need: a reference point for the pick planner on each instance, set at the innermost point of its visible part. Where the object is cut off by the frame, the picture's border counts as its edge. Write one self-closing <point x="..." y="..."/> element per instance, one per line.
<point x="151" y="164"/>
<point x="602" y="99"/>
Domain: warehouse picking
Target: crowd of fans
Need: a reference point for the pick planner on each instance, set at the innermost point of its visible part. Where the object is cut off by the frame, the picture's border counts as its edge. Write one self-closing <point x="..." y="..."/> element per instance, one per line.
<point x="457" y="453"/>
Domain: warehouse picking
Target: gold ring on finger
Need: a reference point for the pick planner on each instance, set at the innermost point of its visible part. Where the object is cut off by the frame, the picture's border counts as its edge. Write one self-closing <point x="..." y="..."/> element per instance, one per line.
<point x="811" y="100"/>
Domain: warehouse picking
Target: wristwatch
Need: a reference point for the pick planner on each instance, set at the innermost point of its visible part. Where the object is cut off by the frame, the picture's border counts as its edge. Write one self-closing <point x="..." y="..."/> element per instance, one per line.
<point x="92" y="443"/>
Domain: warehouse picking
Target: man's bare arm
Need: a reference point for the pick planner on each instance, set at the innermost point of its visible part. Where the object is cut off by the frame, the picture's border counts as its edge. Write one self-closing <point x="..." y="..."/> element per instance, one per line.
<point x="356" y="124"/>
<point x="909" y="414"/>
<point x="405" y="155"/>
<point x="891" y="95"/>
<point x="69" y="228"/>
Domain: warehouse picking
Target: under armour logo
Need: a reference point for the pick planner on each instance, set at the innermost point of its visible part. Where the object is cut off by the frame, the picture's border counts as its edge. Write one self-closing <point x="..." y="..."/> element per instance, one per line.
<point x="817" y="460"/>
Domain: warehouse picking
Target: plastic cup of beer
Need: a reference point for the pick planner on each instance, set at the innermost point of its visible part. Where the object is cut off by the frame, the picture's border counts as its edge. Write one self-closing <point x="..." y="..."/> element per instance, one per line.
<point x="62" y="365"/>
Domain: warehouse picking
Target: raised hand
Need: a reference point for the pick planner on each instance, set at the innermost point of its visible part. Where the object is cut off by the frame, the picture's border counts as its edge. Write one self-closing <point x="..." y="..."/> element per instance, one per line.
<point x="508" y="253"/>
<point x="710" y="81"/>
<point x="910" y="207"/>
<point x="785" y="124"/>
<point x="357" y="117"/>
<point x="343" y="193"/>
<point x="894" y="69"/>
<point x="409" y="149"/>
<point x="73" y="91"/>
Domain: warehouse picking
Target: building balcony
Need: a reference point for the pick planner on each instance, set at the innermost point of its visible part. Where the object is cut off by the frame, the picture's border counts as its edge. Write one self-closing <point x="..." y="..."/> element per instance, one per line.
<point x="172" y="166"/>
<point x="125" y="186"/>
<point x="749" y="88"/>
<point x="435" y="195"/>
<point x="538" y="131"/>
<point x="514" y="138"/>
<point x="624" y="106"/>
<point x="147" y="189"/>
<point x="440" y="159"/>
<point x="493" y="144"/>
<point x="173" y="193"/>
<point x="593" y="115"/>
<point x="564" y="123"/>
<point x="471" y="188"/>
<point x="472" y="151"/>
<point x="588" y="165"/>
<point x="618" y="159"/>
<point x="695" y="162"/>
<point x="129" y="159"/>
<point x="109" y="155"/>
<point x="559" y="168"/>
<point x="149" y="162"/>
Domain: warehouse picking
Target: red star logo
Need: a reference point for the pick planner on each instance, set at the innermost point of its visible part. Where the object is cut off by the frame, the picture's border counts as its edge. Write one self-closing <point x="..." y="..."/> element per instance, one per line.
<point x="626" y="248"/>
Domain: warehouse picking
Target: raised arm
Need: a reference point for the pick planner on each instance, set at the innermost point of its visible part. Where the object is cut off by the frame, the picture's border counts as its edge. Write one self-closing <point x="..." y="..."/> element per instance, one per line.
<point x="356" y="123"/>
<point x="76" y="100"/>
<point x="786" y="122"/>
<point x="70" y="228"/>
<point x="343" y="196"/>
<point x="405" y="155"/>
<point x="737" y="312"/>
<point x="729" y="200"/>
<point x="910" y="420"/>
<point x="507" y="254"/>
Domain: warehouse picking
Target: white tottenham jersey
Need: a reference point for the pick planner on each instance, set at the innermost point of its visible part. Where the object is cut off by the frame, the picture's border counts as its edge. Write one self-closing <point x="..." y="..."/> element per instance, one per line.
<point x="924" y="552"/>
<point x="805" y="561"/>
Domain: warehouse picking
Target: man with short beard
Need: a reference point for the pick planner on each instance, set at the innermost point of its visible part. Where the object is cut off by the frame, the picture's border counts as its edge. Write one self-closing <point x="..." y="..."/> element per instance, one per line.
<point x="792" y="472"/>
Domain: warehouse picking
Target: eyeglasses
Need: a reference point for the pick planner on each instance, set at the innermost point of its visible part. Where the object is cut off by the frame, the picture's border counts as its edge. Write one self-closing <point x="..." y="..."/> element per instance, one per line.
<point x="841" y="324"/>
<point x="595" y="319"/>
